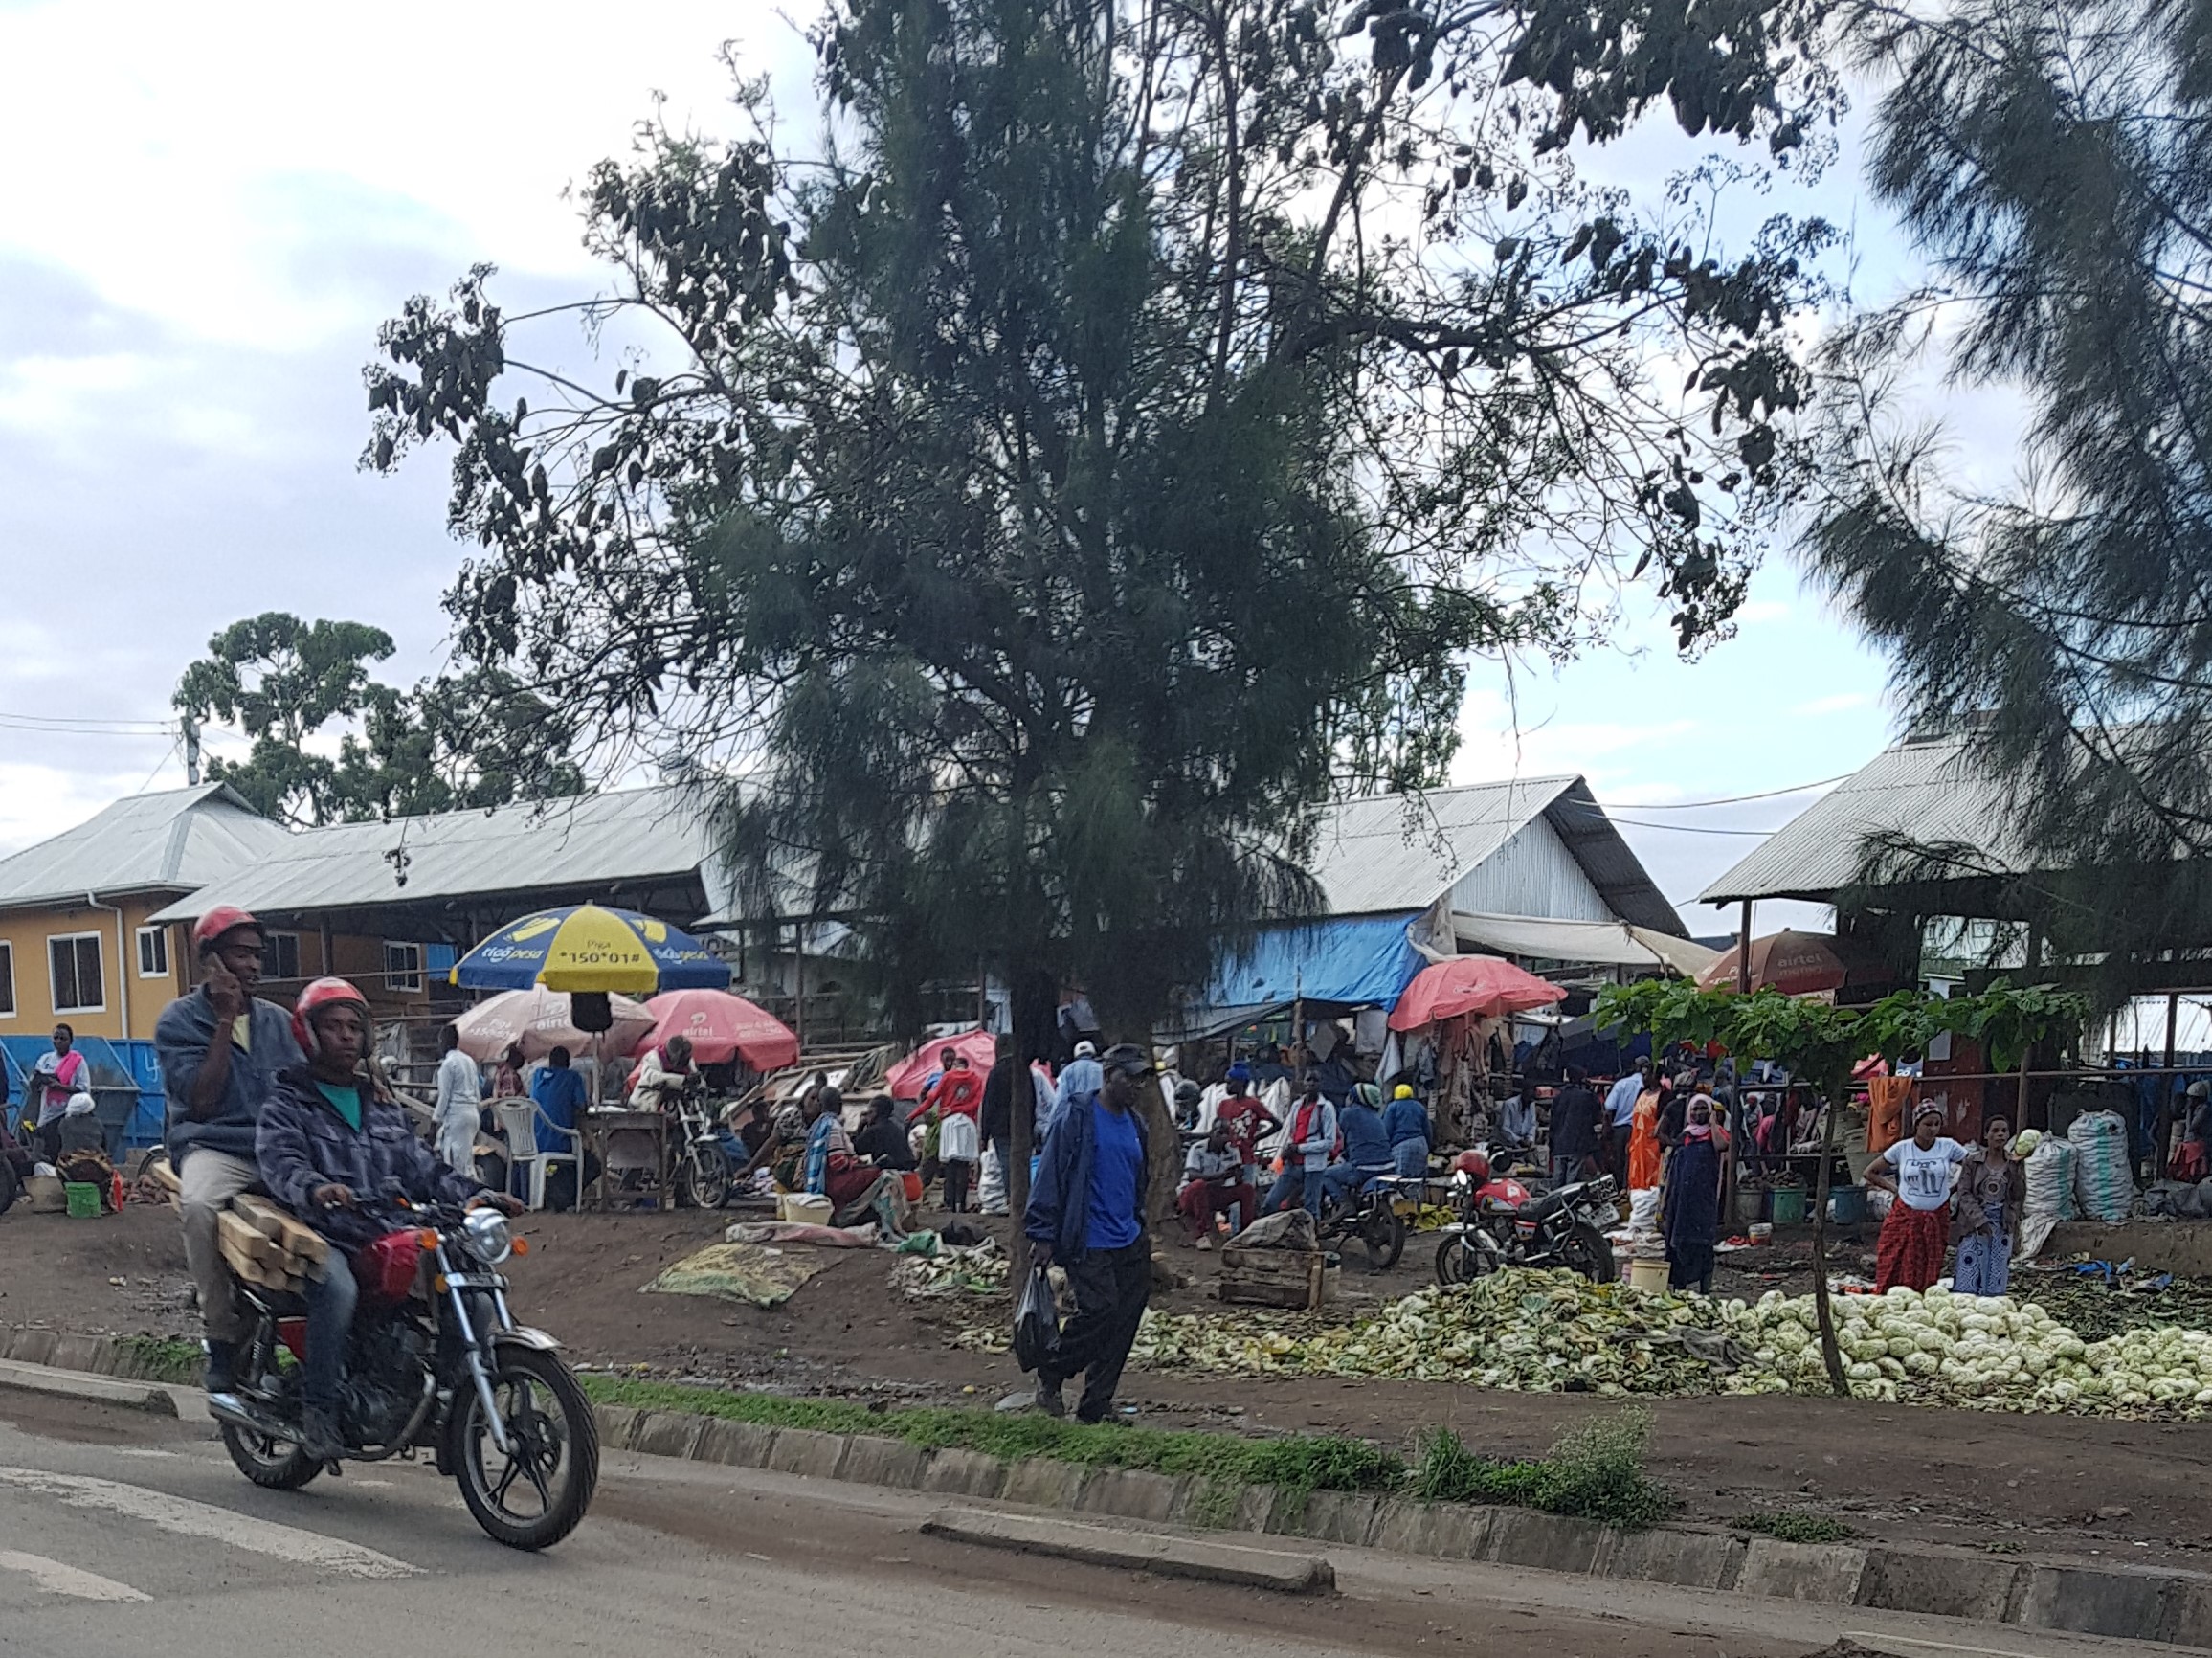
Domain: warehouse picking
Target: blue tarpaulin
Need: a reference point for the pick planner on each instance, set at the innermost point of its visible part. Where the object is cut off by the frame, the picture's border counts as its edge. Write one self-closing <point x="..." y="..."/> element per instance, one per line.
<point x="126" y="1081"/>
<point x="1359" y="961"/>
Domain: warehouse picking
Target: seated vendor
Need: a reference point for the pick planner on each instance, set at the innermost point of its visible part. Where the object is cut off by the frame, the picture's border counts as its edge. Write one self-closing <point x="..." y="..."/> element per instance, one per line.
<point x="857" y="1190"/>
<point x="880" y="1141"/>
<point x="663" y="1075"/>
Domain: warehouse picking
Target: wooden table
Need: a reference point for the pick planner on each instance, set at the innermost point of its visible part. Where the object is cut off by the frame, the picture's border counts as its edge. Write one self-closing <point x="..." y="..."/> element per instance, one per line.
<point x="633" y="1151"/>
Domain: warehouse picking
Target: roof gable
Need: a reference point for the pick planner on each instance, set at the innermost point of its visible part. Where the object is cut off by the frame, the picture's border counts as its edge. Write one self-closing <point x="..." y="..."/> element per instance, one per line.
<point x="174" y="841"/>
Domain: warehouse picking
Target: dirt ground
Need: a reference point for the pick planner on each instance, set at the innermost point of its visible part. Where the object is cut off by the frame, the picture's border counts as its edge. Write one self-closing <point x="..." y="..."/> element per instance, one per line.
<point x="2127" y="1490"/>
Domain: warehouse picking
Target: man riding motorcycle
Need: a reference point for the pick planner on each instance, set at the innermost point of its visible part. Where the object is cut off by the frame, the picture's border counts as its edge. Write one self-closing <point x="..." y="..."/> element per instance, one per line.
<point x="329" y="1142"/>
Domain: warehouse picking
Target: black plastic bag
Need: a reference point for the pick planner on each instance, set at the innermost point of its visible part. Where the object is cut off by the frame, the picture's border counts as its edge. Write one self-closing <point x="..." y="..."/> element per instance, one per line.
<point x="1035" y="1323"/>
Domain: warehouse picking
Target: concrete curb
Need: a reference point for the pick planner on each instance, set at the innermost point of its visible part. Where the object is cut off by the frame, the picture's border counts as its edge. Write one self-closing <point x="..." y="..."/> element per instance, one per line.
<point x="1140" y="1550"/>
<point x="75" y="1384"/>
<point x="2068" y="1596"/>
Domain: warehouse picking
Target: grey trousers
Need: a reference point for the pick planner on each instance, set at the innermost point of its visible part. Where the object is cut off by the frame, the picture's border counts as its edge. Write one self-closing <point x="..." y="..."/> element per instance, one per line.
<point x="209" y="1181"/>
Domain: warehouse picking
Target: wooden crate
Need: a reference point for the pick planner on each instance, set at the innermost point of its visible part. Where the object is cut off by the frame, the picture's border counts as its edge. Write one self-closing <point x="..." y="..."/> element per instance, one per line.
<point x="1295" y="1278"/>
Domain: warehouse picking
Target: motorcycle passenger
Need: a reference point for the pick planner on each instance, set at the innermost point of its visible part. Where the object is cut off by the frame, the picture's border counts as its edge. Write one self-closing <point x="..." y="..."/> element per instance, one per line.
<point x="1406" y="1121"/>
<point x="329" y="1141"/>
<point x="1366" y="1145"/>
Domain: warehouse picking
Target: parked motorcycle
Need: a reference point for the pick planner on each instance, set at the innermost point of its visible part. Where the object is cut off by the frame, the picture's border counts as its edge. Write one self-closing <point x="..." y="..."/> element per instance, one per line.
<point x="1375" y="1215"/>
<point x="1499" y="1225"/>
<point x="436" y="1362"/>
<point x="704" y="1175"/>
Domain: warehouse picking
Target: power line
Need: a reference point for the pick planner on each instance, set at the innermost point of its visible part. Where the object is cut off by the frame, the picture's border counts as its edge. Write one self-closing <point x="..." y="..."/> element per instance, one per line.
<point x="86" y="725"/>
<point x="1728" y="800"/>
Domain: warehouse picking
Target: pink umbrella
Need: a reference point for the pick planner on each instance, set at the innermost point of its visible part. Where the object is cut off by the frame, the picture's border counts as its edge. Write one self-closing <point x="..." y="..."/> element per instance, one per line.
<point x="722" y="1027"/>
<point x="978" y="1047"/>
<point x="541" y="1021"/>
<point x="1486" y="986"/>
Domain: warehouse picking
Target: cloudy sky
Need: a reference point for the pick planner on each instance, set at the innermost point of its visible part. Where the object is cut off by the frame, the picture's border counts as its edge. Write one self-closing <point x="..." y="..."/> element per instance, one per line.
<point x="219" y="203"/>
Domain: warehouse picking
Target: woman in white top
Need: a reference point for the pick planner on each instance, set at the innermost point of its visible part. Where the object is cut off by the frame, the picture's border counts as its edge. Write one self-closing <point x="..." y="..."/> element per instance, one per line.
<point x="1917" y="1232"/>
<point x="460" y="1098"/>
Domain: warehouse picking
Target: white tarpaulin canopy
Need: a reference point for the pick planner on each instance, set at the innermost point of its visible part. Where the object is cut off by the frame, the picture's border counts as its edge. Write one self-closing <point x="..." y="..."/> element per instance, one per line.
<point x="1607" y="943"/>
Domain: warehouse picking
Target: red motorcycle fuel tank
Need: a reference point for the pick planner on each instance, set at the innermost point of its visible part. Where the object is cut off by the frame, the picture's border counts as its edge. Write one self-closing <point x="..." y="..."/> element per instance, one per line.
<point x="1501" y="1194"/>
<point x="386" y="1269"/>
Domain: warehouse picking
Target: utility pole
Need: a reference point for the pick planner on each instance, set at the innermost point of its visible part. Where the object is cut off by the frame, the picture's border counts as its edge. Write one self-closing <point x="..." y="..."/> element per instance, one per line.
<point x="191" y="751"/>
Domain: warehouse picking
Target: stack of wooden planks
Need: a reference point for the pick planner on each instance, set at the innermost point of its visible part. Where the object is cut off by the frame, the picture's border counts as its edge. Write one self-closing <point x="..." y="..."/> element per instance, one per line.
<point x="266" y="1246"/>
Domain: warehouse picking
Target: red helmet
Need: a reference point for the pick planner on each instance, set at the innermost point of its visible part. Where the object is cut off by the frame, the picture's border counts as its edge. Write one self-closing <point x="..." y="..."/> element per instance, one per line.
<point x="207" y="932"/>
<point x="1474" y="1166"/>
<point x="322" y="993"/>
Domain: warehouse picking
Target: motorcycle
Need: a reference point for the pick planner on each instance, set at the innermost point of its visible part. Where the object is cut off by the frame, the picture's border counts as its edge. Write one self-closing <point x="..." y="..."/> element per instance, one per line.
<point x="434" y="1362"/>
<point x="1375" y="1215"/>
<point x="704" y="1175"/>
<point x="1500" y="1225"/>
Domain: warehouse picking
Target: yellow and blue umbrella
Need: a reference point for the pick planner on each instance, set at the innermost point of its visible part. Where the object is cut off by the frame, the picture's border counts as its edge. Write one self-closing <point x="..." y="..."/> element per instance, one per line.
<point x="588" y="947"/>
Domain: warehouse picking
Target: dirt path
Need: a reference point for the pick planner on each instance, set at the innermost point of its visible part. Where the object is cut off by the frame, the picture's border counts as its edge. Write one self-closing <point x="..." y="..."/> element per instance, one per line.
<point x="2126" y="1490"/>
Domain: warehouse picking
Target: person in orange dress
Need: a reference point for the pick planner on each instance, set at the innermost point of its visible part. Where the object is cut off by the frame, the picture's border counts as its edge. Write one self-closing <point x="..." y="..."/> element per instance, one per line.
<point x="1643" y="1144"/>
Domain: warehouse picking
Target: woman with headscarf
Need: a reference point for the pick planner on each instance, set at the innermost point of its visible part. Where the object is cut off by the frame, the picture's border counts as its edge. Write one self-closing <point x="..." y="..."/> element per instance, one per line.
<point x="1692" y="1203"/>
<point x="857" y="1190"/>
<point x="1985" y="1213"/>
<point x="1916" y="1232"/>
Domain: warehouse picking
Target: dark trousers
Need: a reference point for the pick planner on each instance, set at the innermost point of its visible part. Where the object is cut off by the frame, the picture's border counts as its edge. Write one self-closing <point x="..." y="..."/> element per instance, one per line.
<point x="956" y="1174"/>
<point x="1112" y="1286"/>
<point x="1617" y="1150"/>
<point x="331" y="1301"/>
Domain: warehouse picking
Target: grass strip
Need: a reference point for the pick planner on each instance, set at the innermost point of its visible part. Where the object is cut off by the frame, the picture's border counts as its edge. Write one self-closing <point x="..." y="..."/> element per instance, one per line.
<point x="163" y="1358"/>
<point x="1594" y="1472"/>
<point x="1302" y="1462"/>
<point x="1794" y="1526"/>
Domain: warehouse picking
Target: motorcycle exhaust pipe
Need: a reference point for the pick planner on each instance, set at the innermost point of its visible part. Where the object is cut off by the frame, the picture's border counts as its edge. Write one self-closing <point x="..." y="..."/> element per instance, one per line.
<point x="244" y="1413"/>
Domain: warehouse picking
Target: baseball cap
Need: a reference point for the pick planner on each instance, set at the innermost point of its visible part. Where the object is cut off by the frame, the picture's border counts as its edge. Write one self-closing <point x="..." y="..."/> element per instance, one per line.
<point x="1086" y="1051"/>
<point x="1127" y="1059"/>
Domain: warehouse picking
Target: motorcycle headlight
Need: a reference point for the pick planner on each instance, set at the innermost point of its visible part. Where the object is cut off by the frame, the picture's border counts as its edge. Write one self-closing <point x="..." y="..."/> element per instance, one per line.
<point x="484" y="1233"/>
<point x="1459" y="1181"/>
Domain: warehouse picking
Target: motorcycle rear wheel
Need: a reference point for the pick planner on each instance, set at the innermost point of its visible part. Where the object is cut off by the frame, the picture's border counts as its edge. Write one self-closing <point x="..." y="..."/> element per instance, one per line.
<point x="1383" y="1232"/>
<point x="702" y="1179"/>
<point x="553" y="1465"/>
<point x="1586" y="1251"/>
<point x="275" y="1465"/>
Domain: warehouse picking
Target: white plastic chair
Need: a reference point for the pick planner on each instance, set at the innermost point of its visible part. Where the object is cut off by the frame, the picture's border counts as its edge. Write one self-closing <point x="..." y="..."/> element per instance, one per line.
<point x="519" y="1121"/>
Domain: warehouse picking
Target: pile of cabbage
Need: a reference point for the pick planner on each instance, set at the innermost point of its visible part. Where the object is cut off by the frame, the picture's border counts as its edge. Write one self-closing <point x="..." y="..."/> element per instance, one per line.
<point x="1553" y="1331"/>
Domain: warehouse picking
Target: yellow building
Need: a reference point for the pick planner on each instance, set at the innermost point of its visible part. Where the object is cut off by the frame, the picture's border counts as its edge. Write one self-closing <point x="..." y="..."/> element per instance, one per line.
<point x="79" y="943"/>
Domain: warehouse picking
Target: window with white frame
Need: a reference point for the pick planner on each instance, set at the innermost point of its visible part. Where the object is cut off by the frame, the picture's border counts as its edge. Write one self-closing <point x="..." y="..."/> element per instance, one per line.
<point x="281" y="955"/>
<point x="7" y="980"/>
<point x="153" y="953"/>
<point x="73" y="966"/>
<point x="402" y="966"/>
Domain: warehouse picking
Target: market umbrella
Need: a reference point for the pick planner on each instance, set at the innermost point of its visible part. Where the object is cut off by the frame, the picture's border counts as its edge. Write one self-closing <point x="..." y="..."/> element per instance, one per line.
<point x="542" y="1020"/>
<point x="588" y="947"/>
<point x="722" y="1027"/>
<point x="1795" y="963"/>
<point x="978" y="1047"/>
<point x="1486" y="986"/>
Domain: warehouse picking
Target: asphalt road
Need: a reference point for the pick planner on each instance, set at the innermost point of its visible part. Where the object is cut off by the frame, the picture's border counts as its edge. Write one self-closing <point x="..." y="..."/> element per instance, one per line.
<point x="128" y="1537"/>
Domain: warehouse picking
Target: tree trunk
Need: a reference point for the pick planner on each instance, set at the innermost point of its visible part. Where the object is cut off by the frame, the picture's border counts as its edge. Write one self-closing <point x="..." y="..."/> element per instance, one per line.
<point x="1035" y="1004"/>
<point x="1830" y="1354"/>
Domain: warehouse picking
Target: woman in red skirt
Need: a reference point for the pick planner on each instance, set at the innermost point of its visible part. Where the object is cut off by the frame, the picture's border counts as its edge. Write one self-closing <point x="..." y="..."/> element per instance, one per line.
<point x="1918" y="1173"/>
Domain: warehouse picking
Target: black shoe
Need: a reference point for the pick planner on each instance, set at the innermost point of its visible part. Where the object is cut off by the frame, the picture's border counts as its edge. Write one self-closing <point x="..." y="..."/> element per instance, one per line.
<point x="220" y="1377"/>
<point x="1048" y="1398"/>
<point x="318" y="1436"/>
<point x="1106" y="1417"/>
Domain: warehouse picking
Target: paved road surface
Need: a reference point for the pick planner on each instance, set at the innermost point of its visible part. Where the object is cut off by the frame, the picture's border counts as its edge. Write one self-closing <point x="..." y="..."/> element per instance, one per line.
<point x="125" y="1536"/>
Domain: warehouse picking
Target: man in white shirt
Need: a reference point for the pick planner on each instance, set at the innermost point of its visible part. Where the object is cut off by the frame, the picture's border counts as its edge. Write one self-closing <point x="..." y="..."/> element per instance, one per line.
<point x="1212" y="1185"/>
<point x="461" y="1092"/>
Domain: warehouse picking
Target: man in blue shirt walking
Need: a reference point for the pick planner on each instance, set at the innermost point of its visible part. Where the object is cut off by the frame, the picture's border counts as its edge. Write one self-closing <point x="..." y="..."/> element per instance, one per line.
<point x="1620" y="1116"/>
<point x="1088" y="1212"/>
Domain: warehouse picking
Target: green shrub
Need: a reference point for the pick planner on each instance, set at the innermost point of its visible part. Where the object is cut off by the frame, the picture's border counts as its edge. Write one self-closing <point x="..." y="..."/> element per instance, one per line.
<point x="1594" y="1472"/>
<point x="1793" y="1526"/>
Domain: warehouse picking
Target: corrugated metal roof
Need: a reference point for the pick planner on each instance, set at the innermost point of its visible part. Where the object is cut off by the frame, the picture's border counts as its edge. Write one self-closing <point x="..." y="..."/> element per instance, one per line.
<point x="1399" y="852"/>
<point x="175" y="839"/>
<point x="1925" y="787"/>
<point x="589" y="842"/>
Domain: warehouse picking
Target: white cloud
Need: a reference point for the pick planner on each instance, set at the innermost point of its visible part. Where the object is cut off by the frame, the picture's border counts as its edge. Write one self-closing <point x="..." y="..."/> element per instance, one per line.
<point x="1841" y="703"/>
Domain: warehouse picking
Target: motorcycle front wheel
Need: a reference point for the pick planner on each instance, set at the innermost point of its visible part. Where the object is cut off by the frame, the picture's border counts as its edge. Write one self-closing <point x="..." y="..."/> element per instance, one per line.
<point x="1585" y="1250"/>
<point x="703" y="1181"/>
<point x="535" y="1493"/>
<point x="1457" y="1262"/>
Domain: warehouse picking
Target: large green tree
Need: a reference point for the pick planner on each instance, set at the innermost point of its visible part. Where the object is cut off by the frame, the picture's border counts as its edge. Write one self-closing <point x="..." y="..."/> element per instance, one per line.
<point x="1117" y="438"/>
<point x="2054" y="165"/>
<point x="476" y="739"/>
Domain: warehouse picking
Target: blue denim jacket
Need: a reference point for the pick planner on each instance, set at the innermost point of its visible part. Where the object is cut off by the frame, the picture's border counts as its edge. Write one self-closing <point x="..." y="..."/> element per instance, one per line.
<point x="181" y="1038"/>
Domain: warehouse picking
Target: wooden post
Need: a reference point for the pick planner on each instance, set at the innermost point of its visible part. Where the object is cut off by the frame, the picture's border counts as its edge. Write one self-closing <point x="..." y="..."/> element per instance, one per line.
<point x="1743" y="947"/>
<point x="799" y="1002"/>
<point x="2165" y="1117"/>
<point x="1826" y="1318"/>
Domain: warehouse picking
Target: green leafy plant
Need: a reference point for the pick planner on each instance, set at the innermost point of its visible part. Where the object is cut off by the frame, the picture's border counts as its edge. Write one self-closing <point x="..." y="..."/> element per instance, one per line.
<point x="1593" y="1473"/>
<point x="1794" y="1527"/>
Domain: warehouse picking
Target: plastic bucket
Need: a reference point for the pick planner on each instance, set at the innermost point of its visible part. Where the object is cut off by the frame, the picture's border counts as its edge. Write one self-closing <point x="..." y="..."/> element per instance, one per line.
<point x="804" y="1207"/>
<point x="1847" y="1205"/>
<point x="82" y="1199"/>
<point x="1751" y="1205"/>
<point x="1648" y="1272"/>
<point x="1789" y="1205"/>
